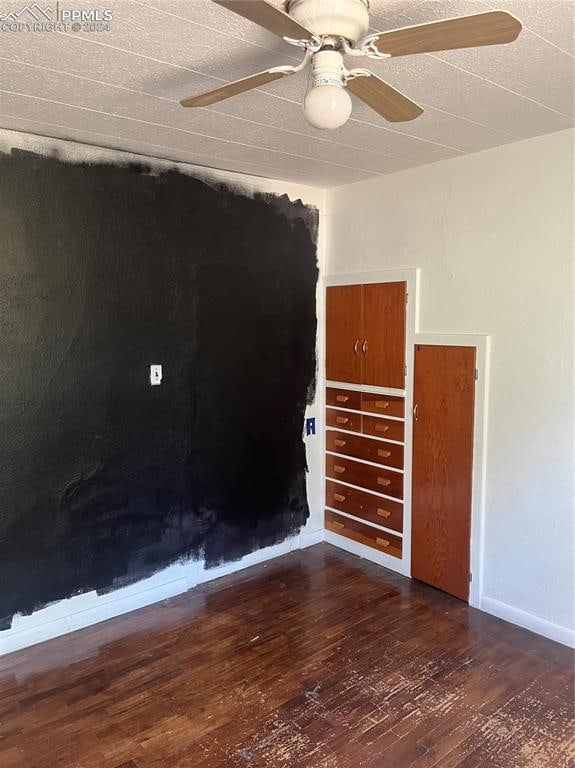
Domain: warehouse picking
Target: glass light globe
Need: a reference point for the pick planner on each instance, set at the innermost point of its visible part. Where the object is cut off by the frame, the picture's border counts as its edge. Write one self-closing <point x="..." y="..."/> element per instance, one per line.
<point x="327" y="106"/>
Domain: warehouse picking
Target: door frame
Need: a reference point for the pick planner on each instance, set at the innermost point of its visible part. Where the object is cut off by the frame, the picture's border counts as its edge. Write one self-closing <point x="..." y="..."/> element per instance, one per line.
<point x="482" y="346"/>
<point x="410" y="276"/>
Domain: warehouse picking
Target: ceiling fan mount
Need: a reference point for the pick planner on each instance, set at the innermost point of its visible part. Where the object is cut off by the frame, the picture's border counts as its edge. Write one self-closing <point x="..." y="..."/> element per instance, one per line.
<point x="328" y="30"/>
<point x="347" y="19"/>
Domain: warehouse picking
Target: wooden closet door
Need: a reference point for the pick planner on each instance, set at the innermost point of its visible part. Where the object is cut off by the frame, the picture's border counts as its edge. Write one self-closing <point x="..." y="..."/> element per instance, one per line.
<point x="444" y="397"/>
<point x="343" y="333"/>
<point x="384" y="317"/>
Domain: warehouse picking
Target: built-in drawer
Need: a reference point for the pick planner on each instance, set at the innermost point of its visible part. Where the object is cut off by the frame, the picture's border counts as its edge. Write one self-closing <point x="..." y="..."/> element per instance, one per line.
<point x="392" y="430"/>
<point x="343" y="420"/>
<point x="364" y="475"/>
<point x="386" y="405"/>
<point x="372" y="508"/>
<point x="377" y="451"/>
<point x="363" y="534"/>
<point x="343" y="398"/>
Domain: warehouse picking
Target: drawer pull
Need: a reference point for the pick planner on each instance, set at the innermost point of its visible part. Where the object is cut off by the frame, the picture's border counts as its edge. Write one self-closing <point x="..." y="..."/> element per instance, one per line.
<point x="381" y="427"/>
<point x="341" y="470"/>
<point x="340" y="443"/>
<point x="383" y="512"/>
<point x="339" y="496"/>
<point x="383" y="454"/>
<point x="341" y="419"/>
<point x="382" y="542"/>
<point x="342" y="398"/>
<point x="381" y="481"/>
<point x="335" y="524"/>
<point x="382" y="403"/>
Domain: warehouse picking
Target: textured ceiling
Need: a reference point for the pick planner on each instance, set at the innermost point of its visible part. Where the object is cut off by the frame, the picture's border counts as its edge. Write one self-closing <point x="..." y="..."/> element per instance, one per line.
<point x="120" y="88"/>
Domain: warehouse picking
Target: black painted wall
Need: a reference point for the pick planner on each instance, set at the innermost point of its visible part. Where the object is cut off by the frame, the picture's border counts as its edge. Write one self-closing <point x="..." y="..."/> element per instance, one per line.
<point x="105" y="269"/>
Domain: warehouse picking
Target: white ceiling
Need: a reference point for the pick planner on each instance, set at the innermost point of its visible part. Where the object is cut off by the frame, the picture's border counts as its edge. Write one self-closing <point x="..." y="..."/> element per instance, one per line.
<point x="121" y="89"/>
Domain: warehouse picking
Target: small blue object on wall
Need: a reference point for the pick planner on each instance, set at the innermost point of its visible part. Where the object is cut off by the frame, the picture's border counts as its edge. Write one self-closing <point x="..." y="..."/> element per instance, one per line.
<point x="310" y="426"/>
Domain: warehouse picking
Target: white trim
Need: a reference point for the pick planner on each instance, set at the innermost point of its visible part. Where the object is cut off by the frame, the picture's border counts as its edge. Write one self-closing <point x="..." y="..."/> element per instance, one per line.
<point x="366" y="490"/>
<point x="374" y="276"/>
<point x="395" y="564"/>
<point x="311" y="539"/>
<point x="363" y="413"/>
<point x="399" y="534"/>
<point x="411" y="277"/>
<point x="374" y="464"/>
<point x="529" y="621"/>
<point x="362" y="434"/>
<point x="369" y="388"/>
<point x="481" y="344"/>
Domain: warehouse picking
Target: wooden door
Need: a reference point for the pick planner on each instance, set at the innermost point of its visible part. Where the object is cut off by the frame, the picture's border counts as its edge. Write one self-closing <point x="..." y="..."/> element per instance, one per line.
<point x="444" y="397"/>
<point x="384" y="317"/>
<point x="344" y="333"/>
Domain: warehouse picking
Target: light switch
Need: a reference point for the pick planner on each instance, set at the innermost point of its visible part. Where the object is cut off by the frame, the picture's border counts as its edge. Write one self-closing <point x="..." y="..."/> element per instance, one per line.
<point x="155" y="375"/>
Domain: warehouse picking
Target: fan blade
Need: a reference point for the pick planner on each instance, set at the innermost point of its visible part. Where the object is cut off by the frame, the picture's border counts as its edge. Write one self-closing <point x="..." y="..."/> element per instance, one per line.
<point x="491" y="28"/>
<point x="231" y="89"/>
<point x="268" y="16"/>
<point x="389" y="103"/>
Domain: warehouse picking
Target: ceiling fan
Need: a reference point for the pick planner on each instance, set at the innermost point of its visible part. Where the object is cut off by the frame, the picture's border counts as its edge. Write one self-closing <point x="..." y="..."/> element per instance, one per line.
<point x="328" y="30"/>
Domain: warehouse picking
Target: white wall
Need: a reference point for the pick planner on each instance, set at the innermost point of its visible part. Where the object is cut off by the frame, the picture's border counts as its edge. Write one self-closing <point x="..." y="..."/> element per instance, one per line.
<point x="90" y="608"/>
<point x="493" y="236"/>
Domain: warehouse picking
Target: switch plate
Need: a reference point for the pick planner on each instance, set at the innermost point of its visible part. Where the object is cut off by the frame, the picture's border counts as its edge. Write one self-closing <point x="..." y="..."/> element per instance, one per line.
<point x="155" y="375"/>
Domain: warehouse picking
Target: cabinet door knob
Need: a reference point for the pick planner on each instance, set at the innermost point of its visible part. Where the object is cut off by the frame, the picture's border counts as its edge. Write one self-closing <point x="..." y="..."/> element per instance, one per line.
<point x="339" y="497"/>
<point x="382" y="403"/>
<point x="356" y="347"/>
<point x="340" y="443"/>
<point x="383" y="512"/>
<point x="364" y="347"/>
<point x="383" y="481"/>
<point x="342" y="398"/>
<point x="381" y="427"/>
<point x="382" y="542"/>
<point x="337" y="525"/>
<point x="383" y="454"/>
<point x="341" y="419"/>
<point x="415" y="407"/>
<point x="340" y="470"/>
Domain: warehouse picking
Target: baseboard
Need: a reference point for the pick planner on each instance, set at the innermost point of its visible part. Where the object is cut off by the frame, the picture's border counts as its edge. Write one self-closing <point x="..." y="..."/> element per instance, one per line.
<point x="529" y="621"/>
<point x="367" y="553"/>
<point x="311" y="539"/>
<point x="88" y="609"/>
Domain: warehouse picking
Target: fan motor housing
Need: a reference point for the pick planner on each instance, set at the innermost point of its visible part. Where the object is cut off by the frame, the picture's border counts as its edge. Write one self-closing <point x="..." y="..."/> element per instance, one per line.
<point x="333" y="18"/>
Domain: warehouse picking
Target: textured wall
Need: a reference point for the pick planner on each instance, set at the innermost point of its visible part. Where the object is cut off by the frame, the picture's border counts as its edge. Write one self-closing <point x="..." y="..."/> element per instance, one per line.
<point x="105" y="269"/>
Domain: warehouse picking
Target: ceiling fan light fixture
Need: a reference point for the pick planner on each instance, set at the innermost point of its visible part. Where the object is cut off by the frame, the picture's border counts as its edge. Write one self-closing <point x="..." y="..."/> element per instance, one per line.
<point x="325" y="29"/>
<point x="327" y="104"/>
<point x="327" y="107"/>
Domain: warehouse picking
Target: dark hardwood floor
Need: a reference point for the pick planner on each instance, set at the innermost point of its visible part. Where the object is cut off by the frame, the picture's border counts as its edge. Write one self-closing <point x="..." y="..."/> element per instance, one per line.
<point x="317" y="659"/>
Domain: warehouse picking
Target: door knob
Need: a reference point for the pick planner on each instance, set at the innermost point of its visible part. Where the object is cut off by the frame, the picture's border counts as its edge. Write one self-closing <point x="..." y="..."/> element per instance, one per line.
<point x="364" y="347"/>
<point x="356" y="347"/>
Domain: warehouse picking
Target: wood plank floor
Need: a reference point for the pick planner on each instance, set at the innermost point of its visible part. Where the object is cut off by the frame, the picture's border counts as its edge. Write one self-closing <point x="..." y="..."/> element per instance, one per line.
<point x="315" y="660"/>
